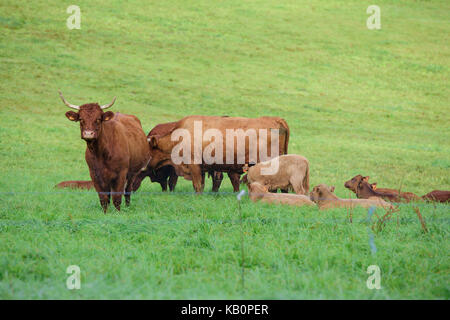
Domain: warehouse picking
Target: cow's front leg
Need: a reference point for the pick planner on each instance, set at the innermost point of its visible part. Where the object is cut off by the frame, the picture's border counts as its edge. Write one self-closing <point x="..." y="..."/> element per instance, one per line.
<point x="172" y="179"/>
<point x="163" y="184"/>
<point x="203" y="180"/>
<point x="118" y="189"/>
<point x="138" y="180"/>
<point x="102" y="189"/>
<point x="105" y="198"/>
<point x="234" y="178"/>
<point x="217" y="178"/>
<point x="197" y="178"/>
<point x="131" y="182"/>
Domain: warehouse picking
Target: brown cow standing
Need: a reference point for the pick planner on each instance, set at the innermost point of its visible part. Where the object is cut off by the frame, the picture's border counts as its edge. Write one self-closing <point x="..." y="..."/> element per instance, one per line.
<point x="161" y="147"/>
<point x="76" y="184"/>
<point x="117" y="149"/>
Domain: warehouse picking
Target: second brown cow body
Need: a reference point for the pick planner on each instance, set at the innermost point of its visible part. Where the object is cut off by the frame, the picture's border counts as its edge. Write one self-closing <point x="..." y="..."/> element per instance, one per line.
<point x="161" y="146"/>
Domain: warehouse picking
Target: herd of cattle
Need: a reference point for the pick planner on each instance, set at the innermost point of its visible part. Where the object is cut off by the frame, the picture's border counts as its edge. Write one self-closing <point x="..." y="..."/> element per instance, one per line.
<point x="119" y="156"/>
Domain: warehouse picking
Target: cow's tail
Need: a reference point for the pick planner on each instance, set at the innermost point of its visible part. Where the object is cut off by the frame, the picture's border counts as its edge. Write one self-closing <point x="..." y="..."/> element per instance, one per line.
<point x="285" y="129"/>
<point x="306" y="180"/>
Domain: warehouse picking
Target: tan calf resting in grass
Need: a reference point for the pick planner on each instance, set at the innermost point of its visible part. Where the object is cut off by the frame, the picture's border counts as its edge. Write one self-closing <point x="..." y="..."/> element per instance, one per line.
<point x="258" y="192"/>
<point x="364" y="190"/>
<point x="76" y="184"/>
<point x="293" y="173"/>
<point x="325" y="198"/>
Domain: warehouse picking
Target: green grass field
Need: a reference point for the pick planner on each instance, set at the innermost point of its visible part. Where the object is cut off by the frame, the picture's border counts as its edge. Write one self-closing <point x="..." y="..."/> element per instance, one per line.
<point x="374" y="102"/>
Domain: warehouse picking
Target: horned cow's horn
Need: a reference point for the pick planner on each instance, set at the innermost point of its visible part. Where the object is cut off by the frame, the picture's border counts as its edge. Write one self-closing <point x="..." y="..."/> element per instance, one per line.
<point x="68" y="104"/>
<point x="106" y="106"/>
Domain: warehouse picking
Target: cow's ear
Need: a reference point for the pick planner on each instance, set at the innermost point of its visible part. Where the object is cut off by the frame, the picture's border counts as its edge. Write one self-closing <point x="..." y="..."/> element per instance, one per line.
<point x="332" y="189"/>
<point x="366" y="179"/>
<point x="374" y="186"/>
<point x="72" y="116"/>
<point x="152" y="141"/>
<point x="108" y="116"/>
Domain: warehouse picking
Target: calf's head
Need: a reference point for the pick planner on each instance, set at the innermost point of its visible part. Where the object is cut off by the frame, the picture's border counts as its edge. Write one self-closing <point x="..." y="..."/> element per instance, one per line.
<point x="160" y="158"/>
<point x="321" y="192"/>
<point x="257" y="188"/>
<point x="353" y="183"/>
<point x="91" y="116"/>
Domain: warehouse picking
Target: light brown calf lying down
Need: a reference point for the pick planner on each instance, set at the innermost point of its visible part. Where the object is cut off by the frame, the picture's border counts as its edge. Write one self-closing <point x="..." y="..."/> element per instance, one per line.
<point x="76" y="184"/>
<point x="257" y="192"/>
<point x="325" y="198"/>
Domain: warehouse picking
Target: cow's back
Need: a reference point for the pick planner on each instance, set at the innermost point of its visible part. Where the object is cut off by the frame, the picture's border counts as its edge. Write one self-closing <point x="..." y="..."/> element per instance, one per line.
<point x="163" y="128"/>
<point x="222" y="123"/>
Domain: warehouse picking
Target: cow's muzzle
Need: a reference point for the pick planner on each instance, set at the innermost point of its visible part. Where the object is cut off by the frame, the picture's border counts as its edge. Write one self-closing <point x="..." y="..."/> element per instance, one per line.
<point x="88" y="135"/>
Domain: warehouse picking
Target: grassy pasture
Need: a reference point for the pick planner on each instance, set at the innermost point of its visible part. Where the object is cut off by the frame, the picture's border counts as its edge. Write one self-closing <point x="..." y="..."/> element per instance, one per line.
<point x="374" y="102"/>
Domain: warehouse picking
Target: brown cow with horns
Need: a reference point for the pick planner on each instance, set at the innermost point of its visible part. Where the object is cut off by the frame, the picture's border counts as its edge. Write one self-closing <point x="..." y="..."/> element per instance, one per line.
<point x="117" y="149"/>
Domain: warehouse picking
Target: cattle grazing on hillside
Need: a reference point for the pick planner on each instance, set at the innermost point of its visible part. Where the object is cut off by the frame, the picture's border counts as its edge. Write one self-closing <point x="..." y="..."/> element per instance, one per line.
<point x="363" y="189"/>
<point x="258" y="192"/>
<point x="325" y="198"/>
<point x="292" y="174"/>
<point x="226" y="156"/>
<point x="116" y="149"/>
<point x="167" y="174"/>
<point x="76" y="184"/>
<point x="437" y="196"/>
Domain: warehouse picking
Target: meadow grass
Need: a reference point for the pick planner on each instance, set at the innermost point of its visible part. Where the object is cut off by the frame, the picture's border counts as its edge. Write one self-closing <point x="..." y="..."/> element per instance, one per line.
<point x="374" y="102"/>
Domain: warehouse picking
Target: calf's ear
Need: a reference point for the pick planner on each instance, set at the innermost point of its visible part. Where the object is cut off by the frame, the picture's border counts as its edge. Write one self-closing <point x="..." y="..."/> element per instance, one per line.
<point x="152" y="141"/>
<point x="366" y="179"/>
<point x="108" y="116"/>
<point x="72" y="116"/>
<point x="332" y="188"/>
<point x="374" y="186"/>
